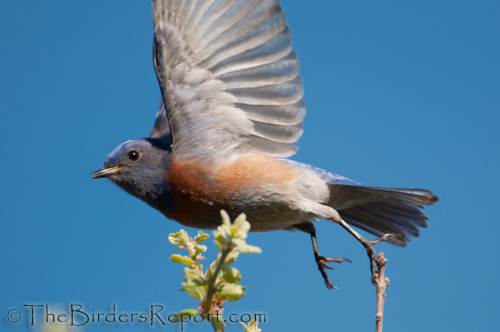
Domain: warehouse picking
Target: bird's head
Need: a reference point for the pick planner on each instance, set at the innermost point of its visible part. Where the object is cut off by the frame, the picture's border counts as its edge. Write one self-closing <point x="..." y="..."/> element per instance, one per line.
<point x="139" y="167"/>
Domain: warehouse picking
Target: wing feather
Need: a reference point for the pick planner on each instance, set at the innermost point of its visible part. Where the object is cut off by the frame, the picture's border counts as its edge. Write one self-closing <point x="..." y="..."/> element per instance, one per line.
<point x="221" y="30"/>
<point x="280" y="115"/>
<point x="273" y="73"/>
<point x="273" y="148"/>
<point x="252" y="51"/>
<point x="286" y="93"/>
<point x="229" y="77"/>
<point x="283" y="134"/>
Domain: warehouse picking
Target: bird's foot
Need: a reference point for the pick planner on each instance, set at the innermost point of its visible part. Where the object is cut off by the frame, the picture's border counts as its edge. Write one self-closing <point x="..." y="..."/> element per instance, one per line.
<point x="370" y="251"/>
<point x="322" y="266"/>
<point x="382" y="239"/>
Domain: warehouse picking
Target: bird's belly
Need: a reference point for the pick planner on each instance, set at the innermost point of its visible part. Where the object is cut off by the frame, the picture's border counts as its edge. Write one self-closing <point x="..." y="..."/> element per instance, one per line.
<point x="262" y="215"/>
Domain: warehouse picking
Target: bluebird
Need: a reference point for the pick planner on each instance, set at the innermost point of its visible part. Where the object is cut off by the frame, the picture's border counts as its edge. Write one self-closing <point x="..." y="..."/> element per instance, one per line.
<point x="230" y="116"/>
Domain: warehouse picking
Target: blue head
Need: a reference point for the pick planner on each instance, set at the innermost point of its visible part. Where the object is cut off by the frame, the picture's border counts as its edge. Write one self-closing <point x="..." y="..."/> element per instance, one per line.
<point x="140" y="168"/>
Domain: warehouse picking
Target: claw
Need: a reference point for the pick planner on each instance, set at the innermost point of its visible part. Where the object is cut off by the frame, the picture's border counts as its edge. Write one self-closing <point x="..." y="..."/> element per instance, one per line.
<point x="328" y="266"/>
<point x="337" y="260"/>
<point x="322" y="266"/>
<point x="329" y="284"/>
<point x="321" y="261"/>
<point x="368" y="246"/>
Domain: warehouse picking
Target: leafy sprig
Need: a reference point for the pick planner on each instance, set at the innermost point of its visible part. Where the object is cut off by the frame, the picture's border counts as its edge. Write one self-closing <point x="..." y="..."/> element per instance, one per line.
<point x="220" y="281"/>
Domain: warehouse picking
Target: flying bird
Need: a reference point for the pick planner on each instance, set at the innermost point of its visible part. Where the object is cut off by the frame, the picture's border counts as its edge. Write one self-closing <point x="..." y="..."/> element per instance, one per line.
<point x="230" y="116"/>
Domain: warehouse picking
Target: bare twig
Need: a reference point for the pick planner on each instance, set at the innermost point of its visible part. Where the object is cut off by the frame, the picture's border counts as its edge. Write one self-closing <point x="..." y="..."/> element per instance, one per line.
<point x="367" y="244"/>
<point x="381" y="285"/>
<point x="377" y="269"/>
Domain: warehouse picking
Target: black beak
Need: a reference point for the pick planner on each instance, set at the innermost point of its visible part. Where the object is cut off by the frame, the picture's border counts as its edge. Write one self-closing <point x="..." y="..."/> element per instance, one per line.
<point x="106" y="172"/>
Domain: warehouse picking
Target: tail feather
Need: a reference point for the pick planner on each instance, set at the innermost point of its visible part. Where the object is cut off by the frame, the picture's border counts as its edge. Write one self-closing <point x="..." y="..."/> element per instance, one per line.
<point x="403" y="223"/>
<point x="398" y="241"/>
<point x="382" y="210"/>
<point x="364" y="215"/>
<point x="419" y="217"/>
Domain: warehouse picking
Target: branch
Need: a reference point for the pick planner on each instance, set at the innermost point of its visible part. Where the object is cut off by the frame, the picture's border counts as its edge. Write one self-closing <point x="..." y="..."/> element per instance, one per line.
<point x="381" y="284"/>
<point x="377" y="268"/>
<point x="220" y="282"/>
<point x="211" y="286"/>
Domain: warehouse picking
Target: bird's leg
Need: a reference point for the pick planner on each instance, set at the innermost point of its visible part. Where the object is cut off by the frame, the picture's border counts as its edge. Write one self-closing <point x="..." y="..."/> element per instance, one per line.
<point x="320" y="260"/>
<point x="367" y="244"/>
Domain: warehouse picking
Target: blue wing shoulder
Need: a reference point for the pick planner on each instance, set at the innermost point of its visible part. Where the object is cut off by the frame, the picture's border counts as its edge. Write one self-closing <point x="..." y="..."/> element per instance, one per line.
<point x="329" y="177"/>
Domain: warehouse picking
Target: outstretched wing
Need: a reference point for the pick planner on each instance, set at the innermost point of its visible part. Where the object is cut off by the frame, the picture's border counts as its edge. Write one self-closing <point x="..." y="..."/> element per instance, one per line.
<point x="161" y="128"/>
<point x="228" y="76"/>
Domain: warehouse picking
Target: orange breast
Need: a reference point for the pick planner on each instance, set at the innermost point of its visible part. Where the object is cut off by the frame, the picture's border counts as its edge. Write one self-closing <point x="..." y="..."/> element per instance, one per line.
<point x="252" y="172"/>
<point x="202" y="189"/>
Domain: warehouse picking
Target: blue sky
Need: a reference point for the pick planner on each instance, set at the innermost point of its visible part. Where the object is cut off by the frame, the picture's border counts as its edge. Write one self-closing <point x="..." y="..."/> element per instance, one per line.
<point x="398" y="94"/>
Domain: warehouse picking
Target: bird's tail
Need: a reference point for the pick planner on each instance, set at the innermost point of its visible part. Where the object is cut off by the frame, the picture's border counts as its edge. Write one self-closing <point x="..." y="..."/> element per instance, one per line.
<point x="382" y="210"/>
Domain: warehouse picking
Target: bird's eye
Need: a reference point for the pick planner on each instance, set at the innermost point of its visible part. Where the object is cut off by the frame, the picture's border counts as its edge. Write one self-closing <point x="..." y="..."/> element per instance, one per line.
<point x="133" y="155"/>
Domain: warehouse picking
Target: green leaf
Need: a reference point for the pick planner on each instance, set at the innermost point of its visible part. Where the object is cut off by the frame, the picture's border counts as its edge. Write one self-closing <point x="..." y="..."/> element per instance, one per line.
<point x="252" y="327"/>
<point x="198" y="249"/>
<point x="194" y="285"/>
<point x="201" y="237"/>
<point x="233" y="232"/>
<point x="249" y="249"/>
<point x="225" y="218"/>
<point x="180" y="237"/>
<point x="220" y="241"/>
<point x="240" y="220"/>
<point x="190" y="312"/>
<point x="231" y="292"/>
<point x="246" y="248"/>
<point x="195" y="291"/>
<point x="176" y="258"/>
<point x="225" y="228"/>
<point x="191" y="275"/>
<point x="231" y="274"/>
<point x="243" y="231"/>
<point x="231" y="257"/>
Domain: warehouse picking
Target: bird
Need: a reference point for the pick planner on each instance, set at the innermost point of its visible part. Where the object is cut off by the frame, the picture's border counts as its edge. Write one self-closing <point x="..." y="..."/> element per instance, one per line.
<point x="230" y="116"/>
